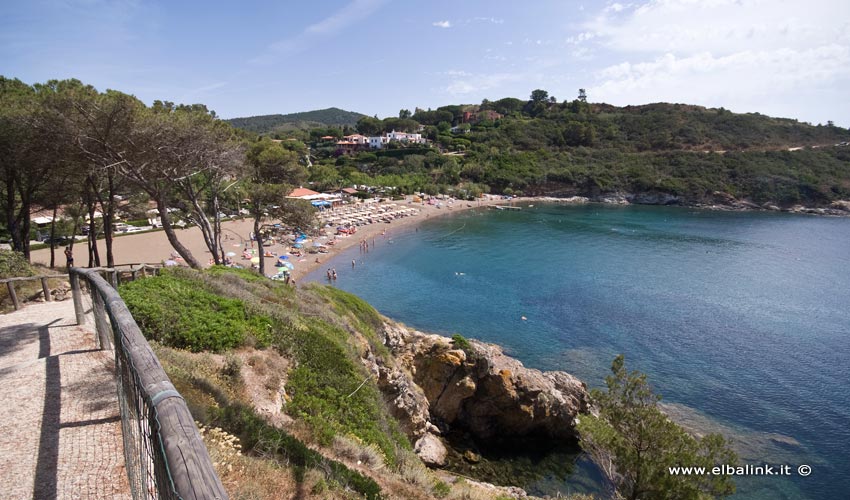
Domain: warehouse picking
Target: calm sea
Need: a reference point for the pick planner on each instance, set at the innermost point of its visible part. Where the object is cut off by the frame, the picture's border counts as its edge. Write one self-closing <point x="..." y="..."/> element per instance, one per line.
<point x="741" y="320"/>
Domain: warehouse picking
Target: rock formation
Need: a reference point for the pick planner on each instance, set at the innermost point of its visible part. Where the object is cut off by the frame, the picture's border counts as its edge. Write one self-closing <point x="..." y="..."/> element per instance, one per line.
<point x="478" y="389"/>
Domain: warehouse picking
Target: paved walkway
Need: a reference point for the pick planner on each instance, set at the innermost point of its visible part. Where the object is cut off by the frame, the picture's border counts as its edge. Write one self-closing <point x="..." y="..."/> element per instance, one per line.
<point x="60" y="432"/>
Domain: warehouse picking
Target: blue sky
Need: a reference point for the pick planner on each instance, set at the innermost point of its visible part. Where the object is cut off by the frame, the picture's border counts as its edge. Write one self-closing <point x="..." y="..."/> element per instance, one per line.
<point x="780" y="58"/>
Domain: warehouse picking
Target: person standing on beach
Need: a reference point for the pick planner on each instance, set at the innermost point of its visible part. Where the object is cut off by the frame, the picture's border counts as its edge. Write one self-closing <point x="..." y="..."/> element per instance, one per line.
<point x="69" y="257"/>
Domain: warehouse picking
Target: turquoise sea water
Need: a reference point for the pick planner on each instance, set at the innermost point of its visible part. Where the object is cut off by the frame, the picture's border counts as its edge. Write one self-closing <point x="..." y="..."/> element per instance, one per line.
<point x="741" y="320"/>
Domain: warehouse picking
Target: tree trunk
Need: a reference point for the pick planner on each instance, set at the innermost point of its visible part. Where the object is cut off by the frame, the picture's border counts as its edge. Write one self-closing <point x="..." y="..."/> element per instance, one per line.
<point x="219" y="259"/>
<point x="206" y="229"/>
<point x="26" y="225"/>
<point x="53" y="239"/>
<point x="94" y="256"/>
<point x="172" y="237"/>
<point x="107" y="209"/>
<point x="12" y="216"/>
<point x="259" y="245"/>
<point x="109" y="212"/>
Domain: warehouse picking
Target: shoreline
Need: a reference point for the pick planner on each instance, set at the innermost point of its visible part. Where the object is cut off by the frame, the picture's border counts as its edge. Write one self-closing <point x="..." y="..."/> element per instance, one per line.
<point x="153" y="247"/>
<point x="370" y="231"/>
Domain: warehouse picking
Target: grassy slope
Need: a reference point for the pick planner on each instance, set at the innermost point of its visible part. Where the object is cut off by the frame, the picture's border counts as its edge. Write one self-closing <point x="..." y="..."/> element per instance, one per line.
<point x="312" y="327"/>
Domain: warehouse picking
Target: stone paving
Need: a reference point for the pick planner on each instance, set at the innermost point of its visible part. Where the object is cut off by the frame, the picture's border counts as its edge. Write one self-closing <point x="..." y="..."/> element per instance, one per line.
<point x="60" y="431"/>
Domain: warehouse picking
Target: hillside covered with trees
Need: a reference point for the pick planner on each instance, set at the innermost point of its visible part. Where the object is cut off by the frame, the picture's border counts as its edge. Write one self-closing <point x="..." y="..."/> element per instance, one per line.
<point x="66" y="145"/>
<point x="271" y="124"/>
<point x="672" y="153"/>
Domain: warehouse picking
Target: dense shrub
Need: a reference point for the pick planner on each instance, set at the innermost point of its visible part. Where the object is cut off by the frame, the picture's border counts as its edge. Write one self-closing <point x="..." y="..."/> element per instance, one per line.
<point x="329" y="388"/>
<point x="13" y="264"/>
<point x="181" y="314"/>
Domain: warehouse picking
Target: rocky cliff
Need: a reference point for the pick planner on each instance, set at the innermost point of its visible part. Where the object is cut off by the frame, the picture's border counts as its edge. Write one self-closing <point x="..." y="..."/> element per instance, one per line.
<point x="438" y="386"/>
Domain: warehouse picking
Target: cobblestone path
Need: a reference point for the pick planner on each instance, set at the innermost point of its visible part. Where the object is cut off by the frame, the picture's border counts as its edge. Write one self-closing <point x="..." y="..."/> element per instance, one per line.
<point x="60" y="432"/>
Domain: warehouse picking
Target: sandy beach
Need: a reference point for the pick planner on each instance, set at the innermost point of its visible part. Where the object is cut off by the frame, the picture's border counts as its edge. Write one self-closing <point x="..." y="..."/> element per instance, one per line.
<point x="153" y="247"/>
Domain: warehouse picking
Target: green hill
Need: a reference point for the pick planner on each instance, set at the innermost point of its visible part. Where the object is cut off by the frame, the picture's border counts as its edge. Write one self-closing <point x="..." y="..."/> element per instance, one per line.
<point x="266" y="124"/>
<point x="654" y="153"/>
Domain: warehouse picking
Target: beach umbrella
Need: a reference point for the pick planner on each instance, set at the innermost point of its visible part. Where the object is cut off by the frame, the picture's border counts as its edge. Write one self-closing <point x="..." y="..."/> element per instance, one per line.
<point x="170" y="263"/>
<point x="287" y="265"/>
<point x="283" y="257"/>
<point x="230" y="254"/>
<point x="298" y="245"/>
<point x="255" y="260"/>
<point x="318" y="244"/>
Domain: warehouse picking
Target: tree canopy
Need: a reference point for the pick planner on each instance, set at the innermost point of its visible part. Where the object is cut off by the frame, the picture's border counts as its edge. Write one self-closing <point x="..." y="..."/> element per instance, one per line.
<point x="636" y="445"/>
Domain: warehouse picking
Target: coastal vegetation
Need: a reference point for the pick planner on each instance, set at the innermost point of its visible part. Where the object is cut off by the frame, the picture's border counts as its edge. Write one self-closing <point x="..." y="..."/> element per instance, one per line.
<point x="328" y="431"/>
<point x="636" y="445"/>
<point x="100" y="157"/>
<point x="329" y="427"/>
<point x="545" y="147"/>
<point x="65" y="144"/>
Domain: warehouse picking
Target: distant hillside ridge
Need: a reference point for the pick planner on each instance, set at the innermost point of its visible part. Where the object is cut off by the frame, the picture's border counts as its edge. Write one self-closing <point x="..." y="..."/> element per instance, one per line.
<point x="266" y="124"/>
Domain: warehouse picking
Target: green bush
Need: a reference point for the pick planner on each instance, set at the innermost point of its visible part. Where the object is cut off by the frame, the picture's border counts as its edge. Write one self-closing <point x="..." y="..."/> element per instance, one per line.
<point x="460" y="342"/>
<point x="327" y="393"/>
<point x="181" y="314"/>
<point x="14" y="264"/>
<point x="221" y="308"/>
<point x="441" y="489"/>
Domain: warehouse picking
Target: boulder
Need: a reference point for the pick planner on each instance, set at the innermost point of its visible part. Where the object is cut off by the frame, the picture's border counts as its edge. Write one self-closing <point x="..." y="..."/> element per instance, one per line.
<point x="431" y="450"/>
<point x="483" y="391"/>
<point x="843" y="205"/>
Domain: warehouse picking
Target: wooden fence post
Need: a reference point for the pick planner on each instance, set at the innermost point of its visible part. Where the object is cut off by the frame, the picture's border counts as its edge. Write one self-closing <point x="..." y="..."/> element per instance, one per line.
<point x="77" y="295"/>
<point x="101" y="321"/>
<point x="11" y="286"/>
<point x="46" y="289"/>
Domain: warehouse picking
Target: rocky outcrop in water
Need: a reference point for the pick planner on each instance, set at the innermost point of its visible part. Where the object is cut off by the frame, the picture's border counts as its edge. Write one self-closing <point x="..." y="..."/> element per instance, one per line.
<point x="478" y="389"/>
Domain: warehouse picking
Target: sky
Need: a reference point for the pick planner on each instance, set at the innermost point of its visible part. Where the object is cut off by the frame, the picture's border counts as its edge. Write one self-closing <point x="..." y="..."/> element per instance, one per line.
<point x="780" y="58"/>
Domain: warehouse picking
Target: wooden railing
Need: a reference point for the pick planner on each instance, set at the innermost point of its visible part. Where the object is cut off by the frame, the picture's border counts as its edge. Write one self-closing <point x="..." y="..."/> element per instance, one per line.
<point x="164" y="453"/>
<point x="13" y="295"/>
<point x="114" y="274"/>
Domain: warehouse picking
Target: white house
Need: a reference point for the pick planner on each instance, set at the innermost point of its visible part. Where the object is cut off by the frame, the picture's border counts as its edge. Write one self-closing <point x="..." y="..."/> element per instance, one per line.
<point x="378" y="142"/>
<point x="357" y="139"/>
<point x="405" y="137"/>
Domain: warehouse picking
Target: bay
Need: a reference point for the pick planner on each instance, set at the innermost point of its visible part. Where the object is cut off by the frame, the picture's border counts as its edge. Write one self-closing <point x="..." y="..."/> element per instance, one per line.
<point x="740" y="319"/>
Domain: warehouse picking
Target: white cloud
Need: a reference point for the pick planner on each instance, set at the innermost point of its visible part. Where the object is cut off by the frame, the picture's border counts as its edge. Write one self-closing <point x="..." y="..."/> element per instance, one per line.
<point x="442" y="24"/>
<point x="469" y="84"/>
<point x="616" y="7"/>
<point x="687" y="26"/>
<point x="491" y="20"/>
<point x="580" y="38"/>
<point x="751" y="55"/>
<point x="346" y="16"/>
<point x="352" y="13"/>
<point x="735" y="81"/>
